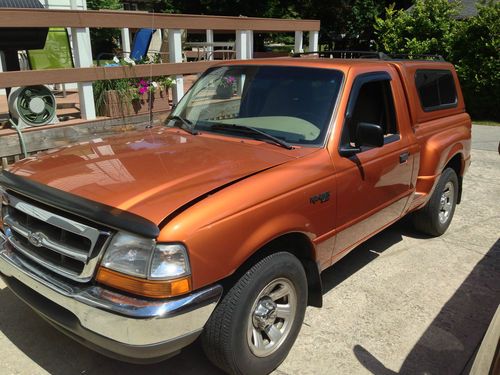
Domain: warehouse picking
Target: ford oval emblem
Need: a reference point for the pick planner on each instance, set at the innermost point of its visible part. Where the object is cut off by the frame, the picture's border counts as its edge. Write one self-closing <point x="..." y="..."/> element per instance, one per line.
<point x="36" y="239"/>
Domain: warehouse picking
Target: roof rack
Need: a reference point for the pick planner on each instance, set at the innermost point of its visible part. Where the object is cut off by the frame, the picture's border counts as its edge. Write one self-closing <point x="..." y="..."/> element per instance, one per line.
<point x="418" y="56"/>
<point x="340" y="54"/>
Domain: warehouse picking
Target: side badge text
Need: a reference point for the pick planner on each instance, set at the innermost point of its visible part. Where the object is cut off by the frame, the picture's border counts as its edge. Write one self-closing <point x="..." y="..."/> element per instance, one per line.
<point x="321" y="198"/>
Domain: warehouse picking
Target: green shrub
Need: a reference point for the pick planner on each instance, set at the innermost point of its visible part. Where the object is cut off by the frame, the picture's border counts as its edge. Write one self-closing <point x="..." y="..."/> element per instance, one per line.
<point x="472" y="44"/>
<point x="104" y="40"/>
<point x="427" y="28"/>
<point x="475" y="51"/>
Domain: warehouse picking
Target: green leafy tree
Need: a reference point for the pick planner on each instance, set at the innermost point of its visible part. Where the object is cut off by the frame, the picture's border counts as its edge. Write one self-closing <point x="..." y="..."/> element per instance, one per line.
<point x="473" y="45"/>
<point x="475" y="50"/>
<point x="359" y="23"/>
<point x="247" y="8"/>
<point x="346" y="23"/>
<point x="427" y="28"/>
<point x="104" y="40"/>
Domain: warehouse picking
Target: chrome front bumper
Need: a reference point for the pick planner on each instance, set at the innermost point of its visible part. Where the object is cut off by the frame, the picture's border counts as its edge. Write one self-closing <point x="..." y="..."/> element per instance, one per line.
<point x="117" y="325"/>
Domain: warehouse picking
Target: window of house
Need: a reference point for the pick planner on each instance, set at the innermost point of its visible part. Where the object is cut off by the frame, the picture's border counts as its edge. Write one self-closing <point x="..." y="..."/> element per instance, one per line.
<point x="374" y="104"/>
<point x="436" y="89"/>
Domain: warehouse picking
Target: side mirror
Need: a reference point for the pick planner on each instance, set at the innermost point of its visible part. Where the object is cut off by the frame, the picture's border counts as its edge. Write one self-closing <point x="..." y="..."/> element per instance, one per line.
<point x="369" y="135"/>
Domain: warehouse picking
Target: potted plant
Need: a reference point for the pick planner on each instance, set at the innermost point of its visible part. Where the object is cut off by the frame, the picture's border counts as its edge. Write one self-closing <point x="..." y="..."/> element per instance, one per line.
<point x="164" y="85"/>
<point x="111" y="96"/>
<point x="226" y="87"/>
<point x="126" y="97"/>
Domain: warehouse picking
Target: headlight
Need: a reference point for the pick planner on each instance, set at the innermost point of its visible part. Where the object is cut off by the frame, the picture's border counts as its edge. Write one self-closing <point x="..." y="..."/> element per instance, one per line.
<point x="129" y="254"/>
<point x="141" y="266"/>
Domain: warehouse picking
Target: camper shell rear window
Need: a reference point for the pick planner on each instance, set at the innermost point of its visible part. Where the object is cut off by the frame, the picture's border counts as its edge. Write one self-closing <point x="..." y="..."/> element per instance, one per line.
<point x="436" y="89"/>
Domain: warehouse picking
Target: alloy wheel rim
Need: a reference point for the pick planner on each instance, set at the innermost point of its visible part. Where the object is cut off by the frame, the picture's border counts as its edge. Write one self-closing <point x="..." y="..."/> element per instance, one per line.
<point x="271" y="317"/>
<point x="446" y="202"/>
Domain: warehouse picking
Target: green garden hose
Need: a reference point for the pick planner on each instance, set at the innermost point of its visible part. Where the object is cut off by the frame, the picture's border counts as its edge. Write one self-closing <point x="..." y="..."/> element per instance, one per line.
<point x="21" y="138"/>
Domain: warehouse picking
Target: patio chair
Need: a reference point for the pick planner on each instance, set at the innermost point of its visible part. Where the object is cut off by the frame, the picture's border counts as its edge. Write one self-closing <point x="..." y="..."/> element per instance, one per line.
<point x="140" y="46"/>
<point x="56" y="54"/>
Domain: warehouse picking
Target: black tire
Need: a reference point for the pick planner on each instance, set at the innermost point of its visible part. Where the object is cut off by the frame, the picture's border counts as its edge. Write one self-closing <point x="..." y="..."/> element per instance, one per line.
<point x="225" y="338"/>
<point x="427" y="219"/>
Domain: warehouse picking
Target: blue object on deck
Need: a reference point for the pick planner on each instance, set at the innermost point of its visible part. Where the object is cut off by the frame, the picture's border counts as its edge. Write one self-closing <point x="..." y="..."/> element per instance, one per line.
<point x="141" y="44"/>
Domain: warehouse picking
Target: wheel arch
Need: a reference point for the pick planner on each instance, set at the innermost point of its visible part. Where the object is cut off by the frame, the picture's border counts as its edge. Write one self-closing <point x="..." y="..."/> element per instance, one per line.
<point x="457" y="164"/>
<point x="297" y="244"/>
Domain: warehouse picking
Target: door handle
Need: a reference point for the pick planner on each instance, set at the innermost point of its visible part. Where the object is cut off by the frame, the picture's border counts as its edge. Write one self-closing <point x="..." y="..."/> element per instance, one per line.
<point x="403" y="158"/>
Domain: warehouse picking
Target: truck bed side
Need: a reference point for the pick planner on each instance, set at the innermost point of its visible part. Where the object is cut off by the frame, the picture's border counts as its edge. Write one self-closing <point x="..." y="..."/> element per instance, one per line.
<point x="443" y="135"/>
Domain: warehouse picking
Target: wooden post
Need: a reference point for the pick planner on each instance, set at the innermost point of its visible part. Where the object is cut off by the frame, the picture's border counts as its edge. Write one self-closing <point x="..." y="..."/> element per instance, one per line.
<point x="82" y="52"/>
<point x="313" y="41"/>
<point x="298" y="48"/>
<point x="125" y="39"/>
<point x="242" y="43"/>
<point x="210" y="49"/>
<point x="175" y="56"/>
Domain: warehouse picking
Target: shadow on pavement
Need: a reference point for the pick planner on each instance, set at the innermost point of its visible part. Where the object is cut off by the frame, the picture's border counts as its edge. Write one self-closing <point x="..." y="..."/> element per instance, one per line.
<point x="449" y="343"/>
<point x="367" y="252"/>
<point x="60" y="355"/>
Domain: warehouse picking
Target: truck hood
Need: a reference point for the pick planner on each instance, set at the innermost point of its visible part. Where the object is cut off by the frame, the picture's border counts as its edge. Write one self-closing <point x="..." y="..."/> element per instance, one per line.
<point x="150" y="173"/>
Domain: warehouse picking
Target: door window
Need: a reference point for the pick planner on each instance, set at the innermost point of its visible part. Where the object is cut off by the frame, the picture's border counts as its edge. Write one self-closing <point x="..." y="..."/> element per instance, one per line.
<point x="374" y="104"/>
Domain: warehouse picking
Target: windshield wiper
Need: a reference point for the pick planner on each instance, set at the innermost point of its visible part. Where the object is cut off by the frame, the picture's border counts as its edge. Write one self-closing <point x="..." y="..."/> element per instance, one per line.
<point x="184" y="124"/>
<point x="249" y="129"/>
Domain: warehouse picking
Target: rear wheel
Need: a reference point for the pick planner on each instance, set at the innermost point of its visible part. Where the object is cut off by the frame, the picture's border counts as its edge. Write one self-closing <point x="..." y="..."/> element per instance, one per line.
<point x="255" y="325"/>
<point x="435" y="217"/>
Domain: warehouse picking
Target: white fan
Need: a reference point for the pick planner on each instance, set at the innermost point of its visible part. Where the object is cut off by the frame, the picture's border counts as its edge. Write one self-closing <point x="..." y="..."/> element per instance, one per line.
<point x="32" y="106"/>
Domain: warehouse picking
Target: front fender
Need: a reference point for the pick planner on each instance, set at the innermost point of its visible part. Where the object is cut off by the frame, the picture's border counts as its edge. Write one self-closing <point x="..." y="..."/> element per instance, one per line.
<point x="227" y="228"/>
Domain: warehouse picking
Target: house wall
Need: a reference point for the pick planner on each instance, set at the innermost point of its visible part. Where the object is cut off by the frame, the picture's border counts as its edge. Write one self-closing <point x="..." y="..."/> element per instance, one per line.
<point x="64" y="4"/>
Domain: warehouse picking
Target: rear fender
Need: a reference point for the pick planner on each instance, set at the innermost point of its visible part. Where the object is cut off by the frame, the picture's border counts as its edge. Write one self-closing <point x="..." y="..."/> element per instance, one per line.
<point x="437" y="151"/>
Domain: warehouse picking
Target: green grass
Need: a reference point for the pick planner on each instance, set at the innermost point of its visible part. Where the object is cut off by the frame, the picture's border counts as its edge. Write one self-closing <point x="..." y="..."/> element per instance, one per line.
<point x="486" y="122"/>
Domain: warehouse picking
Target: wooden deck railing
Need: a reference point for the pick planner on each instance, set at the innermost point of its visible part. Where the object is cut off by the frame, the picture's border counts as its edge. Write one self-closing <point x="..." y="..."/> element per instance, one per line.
<point x="85" y="72"/>
<point x="40" y="77"/>
<point x="120" y="19"/>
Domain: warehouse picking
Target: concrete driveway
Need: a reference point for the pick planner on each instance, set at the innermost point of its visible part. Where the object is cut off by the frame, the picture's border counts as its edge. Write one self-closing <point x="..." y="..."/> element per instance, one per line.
<point x="400" y="303"/>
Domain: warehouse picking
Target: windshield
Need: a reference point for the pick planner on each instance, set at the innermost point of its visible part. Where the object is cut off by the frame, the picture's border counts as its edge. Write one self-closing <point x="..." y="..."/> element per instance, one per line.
<point x="293" y="104"/>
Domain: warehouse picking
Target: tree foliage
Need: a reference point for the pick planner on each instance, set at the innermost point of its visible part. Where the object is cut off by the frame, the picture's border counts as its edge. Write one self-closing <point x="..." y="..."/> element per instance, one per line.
<point x="475" y="50"/>
<point x="473" y="45"/>
<point x="346" y="23"/>
<point x="426" y="28"/>
<point x="248" y="8"/>
<point x="104" y="40"/>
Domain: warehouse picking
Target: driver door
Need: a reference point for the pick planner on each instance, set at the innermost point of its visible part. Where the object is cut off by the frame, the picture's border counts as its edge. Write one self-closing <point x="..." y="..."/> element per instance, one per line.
<point x="375" y="183"/>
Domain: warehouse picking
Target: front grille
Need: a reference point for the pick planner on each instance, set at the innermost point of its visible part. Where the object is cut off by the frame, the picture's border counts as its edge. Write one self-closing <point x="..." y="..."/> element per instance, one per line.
<point x="56" y="241"/>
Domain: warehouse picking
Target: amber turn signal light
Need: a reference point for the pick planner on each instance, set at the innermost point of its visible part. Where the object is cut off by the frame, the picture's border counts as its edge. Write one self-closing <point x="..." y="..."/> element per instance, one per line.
<point x="143" y="287"/>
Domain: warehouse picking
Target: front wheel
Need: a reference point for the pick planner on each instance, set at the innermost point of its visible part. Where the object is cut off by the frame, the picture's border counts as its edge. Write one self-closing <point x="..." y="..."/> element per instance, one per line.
<point x="435" y="217"/>
<point x="255" y="325"/>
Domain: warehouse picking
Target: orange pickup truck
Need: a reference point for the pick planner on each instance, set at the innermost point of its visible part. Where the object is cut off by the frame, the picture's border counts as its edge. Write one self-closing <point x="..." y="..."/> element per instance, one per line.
<point x="218" y="223"/>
